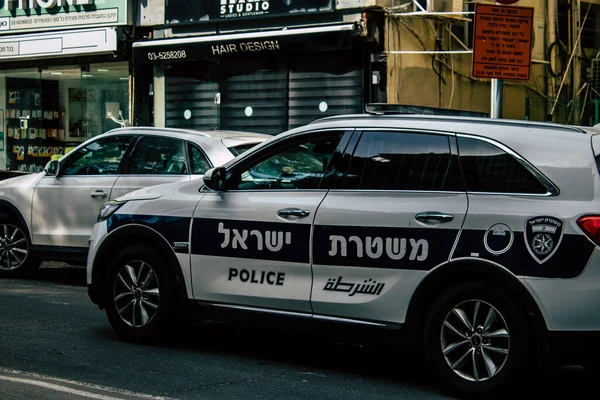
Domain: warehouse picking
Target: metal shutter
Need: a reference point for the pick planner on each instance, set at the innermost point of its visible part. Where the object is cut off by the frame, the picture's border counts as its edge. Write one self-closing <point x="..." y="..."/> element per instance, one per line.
<point x="198" y="96"/>
<point x="264" y="93"/>
<point x="333" y="79"/>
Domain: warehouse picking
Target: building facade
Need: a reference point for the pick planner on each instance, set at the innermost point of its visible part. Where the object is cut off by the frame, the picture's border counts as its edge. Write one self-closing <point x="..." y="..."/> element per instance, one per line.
<point x="64" y="75"/>
<point x="427" y="52"/>
<point x="264" y="65"/>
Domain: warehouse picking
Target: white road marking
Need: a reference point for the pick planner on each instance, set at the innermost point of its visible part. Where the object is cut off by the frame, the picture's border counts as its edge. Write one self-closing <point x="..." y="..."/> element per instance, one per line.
<point x="60" y="385"/>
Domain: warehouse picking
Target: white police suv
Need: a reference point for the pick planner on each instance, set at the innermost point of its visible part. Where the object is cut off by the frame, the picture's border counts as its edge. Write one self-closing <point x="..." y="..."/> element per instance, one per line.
<point x="477" y="238"/>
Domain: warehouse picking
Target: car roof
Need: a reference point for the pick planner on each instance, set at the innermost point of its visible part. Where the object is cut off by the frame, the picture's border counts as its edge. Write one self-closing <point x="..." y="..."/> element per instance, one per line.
<point x="188" y="133"/>
<point x="212" y="142"/>
<point x="455" y="121"/>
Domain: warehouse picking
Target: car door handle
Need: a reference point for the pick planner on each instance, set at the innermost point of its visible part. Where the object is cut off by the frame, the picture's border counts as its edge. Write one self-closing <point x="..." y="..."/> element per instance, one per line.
<point x="293" y="212"/>
<point x="98" y="193"/>
<point x="434" y="216"/>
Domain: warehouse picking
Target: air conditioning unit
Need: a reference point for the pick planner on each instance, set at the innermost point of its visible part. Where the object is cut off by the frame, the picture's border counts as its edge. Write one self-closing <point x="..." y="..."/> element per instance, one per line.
<point x="443" y="6"/>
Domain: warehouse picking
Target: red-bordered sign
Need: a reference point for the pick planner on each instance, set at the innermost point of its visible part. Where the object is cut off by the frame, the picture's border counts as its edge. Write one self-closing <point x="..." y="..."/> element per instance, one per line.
<point x="502" y="42"/>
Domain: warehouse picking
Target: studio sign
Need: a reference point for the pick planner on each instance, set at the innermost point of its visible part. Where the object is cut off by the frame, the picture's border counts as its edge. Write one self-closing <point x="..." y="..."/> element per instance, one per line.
<point x="244" y="8"/>
<point x="33" y="4"/>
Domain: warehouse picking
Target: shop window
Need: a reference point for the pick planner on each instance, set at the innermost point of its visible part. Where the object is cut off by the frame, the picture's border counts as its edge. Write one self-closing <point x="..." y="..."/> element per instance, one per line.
<point x="51" y="110"/>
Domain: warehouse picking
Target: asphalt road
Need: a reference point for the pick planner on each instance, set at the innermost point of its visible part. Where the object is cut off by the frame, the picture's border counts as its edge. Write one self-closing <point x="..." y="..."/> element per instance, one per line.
<point x="55" y="344"/>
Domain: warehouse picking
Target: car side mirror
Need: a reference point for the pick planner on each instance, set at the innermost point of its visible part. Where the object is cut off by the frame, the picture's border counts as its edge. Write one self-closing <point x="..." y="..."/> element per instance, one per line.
<point x="214" y="179"/>
<point x="52" y="168"/>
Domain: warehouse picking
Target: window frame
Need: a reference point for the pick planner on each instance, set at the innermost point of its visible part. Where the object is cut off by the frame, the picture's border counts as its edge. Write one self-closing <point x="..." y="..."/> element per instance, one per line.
<point x="452" y="146"/>
<point x="188" y="156"/>
<point x="265" y="152"/>
<point x="122" y="162"/>
<point x="124" y="166"/>
<point x="551" y="189"/>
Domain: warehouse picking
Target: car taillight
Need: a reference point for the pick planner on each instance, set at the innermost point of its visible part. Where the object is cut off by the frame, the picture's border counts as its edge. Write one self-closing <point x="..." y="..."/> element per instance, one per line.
<point x="590" y="224"/>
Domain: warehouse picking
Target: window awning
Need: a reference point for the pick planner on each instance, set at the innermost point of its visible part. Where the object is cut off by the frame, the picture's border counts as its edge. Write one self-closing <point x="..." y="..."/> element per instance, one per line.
<point x="295" y="40"/>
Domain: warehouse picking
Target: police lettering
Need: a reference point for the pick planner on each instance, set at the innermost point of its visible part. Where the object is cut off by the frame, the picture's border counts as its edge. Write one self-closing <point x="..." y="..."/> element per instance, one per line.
<point x="259" y="277"/>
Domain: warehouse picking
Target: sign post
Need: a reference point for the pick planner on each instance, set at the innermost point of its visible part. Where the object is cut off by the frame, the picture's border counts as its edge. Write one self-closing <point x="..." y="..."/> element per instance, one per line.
<point x="502" y="46"/>
<point x="497" y="96"/>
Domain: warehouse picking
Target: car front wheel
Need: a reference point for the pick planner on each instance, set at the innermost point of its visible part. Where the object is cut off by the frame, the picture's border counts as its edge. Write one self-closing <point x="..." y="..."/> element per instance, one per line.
<point x="139" y="295"/>
<point x="16" y="258"/>
<point x="476" y="339"/>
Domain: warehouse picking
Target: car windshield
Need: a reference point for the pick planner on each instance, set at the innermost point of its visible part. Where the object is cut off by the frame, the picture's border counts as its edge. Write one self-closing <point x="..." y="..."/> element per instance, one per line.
<point x="237" y="150"/>
<point x="297" y="160"/>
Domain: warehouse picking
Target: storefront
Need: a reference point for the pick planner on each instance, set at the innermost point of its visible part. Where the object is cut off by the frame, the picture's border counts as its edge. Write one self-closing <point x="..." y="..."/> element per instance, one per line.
<point x="262" y="66"/>
<point x="64" y="76"/>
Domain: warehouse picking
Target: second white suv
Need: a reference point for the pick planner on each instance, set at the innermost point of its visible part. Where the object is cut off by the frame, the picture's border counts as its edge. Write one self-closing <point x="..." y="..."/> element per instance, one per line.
<point x="50" y="215"/>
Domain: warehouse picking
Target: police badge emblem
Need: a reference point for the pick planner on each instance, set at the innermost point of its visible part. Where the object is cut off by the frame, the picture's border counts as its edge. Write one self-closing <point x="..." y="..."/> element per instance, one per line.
<point x="542" y="237"/>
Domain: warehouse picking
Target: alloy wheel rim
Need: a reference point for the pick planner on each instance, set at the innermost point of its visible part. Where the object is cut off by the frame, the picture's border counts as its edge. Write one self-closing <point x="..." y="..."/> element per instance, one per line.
<point x="14" y="247"/>
<point x="136" y="294"/>
<point x="475" y="340"/>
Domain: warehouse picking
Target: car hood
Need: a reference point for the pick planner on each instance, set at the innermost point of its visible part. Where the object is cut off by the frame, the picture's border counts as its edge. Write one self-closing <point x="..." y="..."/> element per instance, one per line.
<point x="150" y="193"/>
<point x="25" y="180"/>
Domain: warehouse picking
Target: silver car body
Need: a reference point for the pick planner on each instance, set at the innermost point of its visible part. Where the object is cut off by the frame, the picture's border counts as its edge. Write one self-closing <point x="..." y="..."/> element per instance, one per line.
<point x="315" y="266"/>
<point x="59" y="212"/>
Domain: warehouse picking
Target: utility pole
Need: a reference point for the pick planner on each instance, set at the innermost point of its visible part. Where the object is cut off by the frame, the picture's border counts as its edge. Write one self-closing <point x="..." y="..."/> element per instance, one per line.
<point x="497" y="95"/>
<point x="576" y="73"/>
<point x="497" y="89"/>
<point x="551" y="37"/>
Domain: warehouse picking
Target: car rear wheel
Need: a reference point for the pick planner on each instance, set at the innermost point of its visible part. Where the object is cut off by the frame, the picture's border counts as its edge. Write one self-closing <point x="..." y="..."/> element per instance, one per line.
<point x="16" y="258"/>
<point x="476" y="339"/>
<point x="140" y="294"/>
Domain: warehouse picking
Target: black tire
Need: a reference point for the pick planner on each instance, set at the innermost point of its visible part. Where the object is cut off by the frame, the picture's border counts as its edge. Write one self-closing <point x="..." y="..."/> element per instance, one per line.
<point x="463" y="380"/>
<point x="16" y="258"/>
<point x="154" y="293"/>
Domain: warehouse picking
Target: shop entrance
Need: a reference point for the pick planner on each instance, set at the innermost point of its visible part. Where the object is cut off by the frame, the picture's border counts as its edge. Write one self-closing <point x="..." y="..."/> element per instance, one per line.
<point x="266" y="94"/>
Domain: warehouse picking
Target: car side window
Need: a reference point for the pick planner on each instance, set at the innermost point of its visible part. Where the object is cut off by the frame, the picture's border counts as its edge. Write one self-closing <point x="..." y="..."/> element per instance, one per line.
<point x="296" y="163"/>
<point x="100" y="157"/>
<point x="487" y="168"/>
<point x="154" y="155"/>
<point x="388" y="160"/>
<point x="199" y="162"/>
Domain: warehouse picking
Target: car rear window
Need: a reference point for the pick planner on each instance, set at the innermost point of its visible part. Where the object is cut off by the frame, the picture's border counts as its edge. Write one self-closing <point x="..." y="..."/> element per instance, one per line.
<point x="489" y="169"/>
<point x="237" y="150"/>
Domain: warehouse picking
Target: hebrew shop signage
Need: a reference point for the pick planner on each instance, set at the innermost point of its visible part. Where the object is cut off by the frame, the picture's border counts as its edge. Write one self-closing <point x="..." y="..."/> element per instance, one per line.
<point x="41" y="15"/>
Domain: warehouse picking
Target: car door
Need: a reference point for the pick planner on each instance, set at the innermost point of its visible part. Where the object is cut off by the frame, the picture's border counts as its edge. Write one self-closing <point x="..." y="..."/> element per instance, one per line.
<point x="65" y="207"/>
<point x="154" y="160"/>
<point x="393" y="213"/>
<point x="251" y="242"/>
